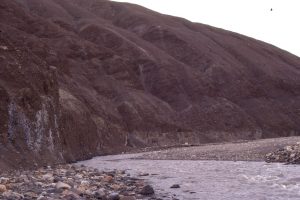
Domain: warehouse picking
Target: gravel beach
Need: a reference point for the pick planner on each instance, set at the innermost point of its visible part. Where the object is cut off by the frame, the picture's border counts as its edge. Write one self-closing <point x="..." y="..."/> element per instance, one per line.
<point x="72" y="182"/>
<point x="235" y="151"/>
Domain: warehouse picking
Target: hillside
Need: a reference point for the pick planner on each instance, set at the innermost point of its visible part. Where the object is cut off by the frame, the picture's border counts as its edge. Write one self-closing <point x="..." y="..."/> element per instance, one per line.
<point x="83" y="78"/>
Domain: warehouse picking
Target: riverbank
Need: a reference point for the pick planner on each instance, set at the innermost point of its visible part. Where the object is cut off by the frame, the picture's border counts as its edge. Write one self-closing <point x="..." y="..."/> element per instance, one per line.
<point x="236" y="151"/>
<point x="174" y="176"/>
<point x="73" y="182"/>
<point x="113" y="182"/>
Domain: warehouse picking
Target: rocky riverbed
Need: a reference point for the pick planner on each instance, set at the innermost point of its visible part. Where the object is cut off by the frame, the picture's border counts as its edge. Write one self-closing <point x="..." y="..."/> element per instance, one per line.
<point x="73" y="182"/>
<point x="175" y="173"/>
<point x="208" y="179"/>
<point x="254" y="150"/>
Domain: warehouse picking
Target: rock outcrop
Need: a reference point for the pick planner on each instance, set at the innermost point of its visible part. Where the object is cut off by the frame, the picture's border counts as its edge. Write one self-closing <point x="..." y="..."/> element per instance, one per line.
<point x="83" y="78"/>
<point x="288" y="154"/>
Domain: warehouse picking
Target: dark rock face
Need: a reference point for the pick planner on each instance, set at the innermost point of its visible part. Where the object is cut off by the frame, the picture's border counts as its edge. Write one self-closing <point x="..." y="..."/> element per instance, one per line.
<point x="29" y="104"/>
<point x="81" y="78"/>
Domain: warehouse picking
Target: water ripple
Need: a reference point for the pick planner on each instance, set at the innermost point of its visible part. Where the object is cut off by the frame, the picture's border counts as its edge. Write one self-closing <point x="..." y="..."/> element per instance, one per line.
<point x="212" y="180"/>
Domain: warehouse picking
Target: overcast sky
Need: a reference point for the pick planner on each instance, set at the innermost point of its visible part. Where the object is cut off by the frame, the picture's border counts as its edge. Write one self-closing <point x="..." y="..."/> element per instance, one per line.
<point x="279" y="26"/>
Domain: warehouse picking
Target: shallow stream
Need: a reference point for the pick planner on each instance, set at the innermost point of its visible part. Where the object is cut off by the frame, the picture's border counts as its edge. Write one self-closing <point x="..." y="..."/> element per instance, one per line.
<point x="209" y="180"/>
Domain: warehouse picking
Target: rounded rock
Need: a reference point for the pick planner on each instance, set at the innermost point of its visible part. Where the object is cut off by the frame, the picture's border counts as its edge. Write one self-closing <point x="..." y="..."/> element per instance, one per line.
<point x="100" y="194"/>
<point x="2" y="188"/>
<point x="147" y="190"/>
<point x="114" y="196"/>
<point x="61" y="185"/>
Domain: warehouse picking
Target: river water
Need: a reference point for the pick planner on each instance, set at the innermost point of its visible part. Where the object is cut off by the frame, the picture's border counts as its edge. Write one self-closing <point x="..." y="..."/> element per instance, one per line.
<point x="209" y="180"/>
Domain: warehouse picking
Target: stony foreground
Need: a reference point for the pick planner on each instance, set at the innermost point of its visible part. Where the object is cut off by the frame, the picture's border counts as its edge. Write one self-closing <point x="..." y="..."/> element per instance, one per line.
<point x="288" y="154"/>
<point x="80" y="182"/>
<point x="72" y="182"/>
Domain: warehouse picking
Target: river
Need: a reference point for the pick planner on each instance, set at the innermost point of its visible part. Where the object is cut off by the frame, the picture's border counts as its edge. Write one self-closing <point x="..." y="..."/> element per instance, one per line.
<point x="209" y="180"/>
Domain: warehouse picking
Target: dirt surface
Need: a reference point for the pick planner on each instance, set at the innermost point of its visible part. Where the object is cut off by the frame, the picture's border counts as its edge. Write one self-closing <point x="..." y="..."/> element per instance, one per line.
<point x="238" y="151"/>
<point x="85" y="78"/>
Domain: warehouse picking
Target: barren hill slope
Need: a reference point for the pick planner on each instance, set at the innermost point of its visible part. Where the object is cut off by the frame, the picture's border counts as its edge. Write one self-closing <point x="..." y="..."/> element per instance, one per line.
<point x="81" y="78"/>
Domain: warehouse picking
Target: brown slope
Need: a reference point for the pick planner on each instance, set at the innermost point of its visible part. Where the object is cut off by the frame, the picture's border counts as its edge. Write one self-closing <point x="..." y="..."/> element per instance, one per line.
<point x="130" y="76"/>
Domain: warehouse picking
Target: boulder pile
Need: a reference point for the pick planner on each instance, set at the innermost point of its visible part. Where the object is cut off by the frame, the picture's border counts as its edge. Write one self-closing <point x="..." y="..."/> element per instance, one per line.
<point x="288" y="154"/>
<point x="73" y="182"/>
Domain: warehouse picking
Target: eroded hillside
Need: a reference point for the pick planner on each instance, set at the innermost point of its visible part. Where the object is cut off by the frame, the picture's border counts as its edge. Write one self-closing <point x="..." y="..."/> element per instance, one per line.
<point x="83" y="78"/>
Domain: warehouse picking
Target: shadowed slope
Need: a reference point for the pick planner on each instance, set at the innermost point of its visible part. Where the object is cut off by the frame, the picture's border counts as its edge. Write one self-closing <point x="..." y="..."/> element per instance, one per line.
<point x="128" y="76"/>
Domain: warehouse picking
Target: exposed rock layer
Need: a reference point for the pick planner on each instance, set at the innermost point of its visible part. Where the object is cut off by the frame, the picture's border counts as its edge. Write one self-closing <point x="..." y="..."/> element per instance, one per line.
<point x="81" y="78"/>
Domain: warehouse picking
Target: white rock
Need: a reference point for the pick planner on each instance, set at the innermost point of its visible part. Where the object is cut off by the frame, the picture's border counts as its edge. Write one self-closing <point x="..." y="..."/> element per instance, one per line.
<point x="3" y="47"/>
<point x="61" y="185"/>
<point x="39" y="184"/>
<point x="48" y="177"/>
<point x="289" y="148"/>
<point x="85" y="183"/>
<point x="292" y="155"/>
<point x="4" y="180"/>
<point x="41" y="197"/>
<point x="78" y="176"/>
<point x="269" y="154"/>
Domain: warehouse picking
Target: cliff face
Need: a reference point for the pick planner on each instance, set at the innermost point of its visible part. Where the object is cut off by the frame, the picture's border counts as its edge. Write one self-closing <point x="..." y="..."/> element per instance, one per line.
<point x="29" y="103"/>
<point x="81" y="78"/>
